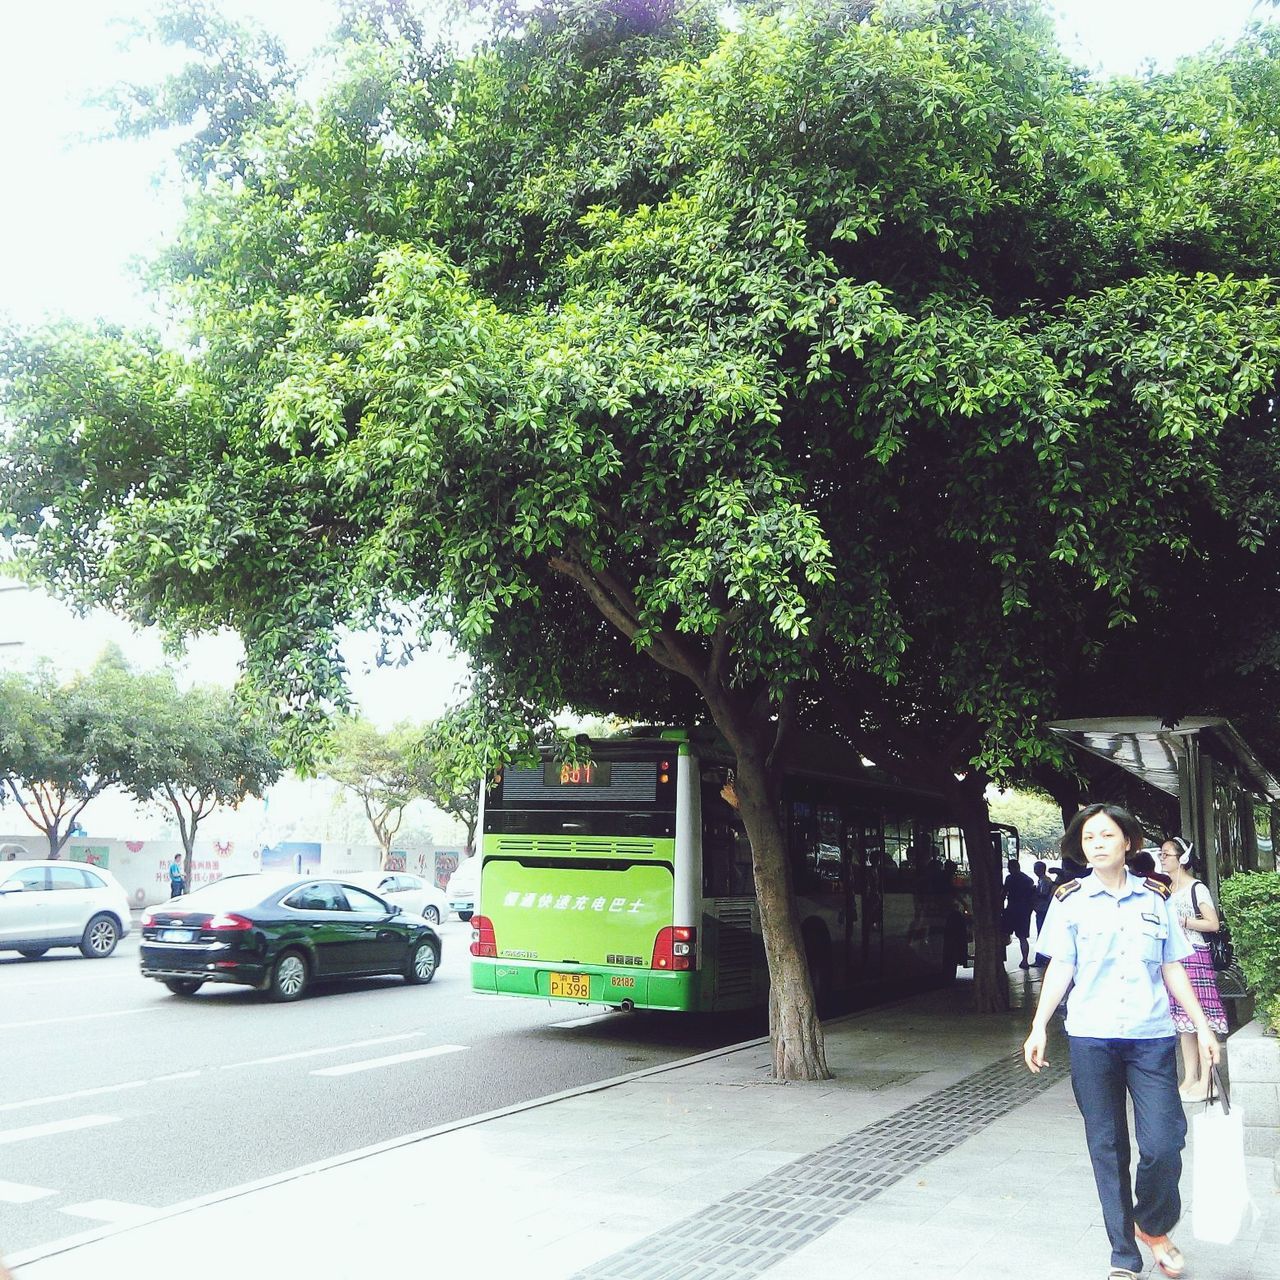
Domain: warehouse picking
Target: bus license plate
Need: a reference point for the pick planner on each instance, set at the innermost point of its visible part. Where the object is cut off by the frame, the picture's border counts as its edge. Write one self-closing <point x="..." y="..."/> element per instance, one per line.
<point x="573" y="986"/>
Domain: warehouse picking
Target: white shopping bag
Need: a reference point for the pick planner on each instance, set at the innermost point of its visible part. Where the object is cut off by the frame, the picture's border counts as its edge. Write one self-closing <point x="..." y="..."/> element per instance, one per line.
<point x="1220" y="1202"/>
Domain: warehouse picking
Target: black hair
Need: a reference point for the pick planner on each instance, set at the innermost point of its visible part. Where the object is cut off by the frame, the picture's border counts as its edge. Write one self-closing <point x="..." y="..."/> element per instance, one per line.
<point x="1142" y="863"/>
<point x="1039" y="868"/>
<point x="1128" y="824"/>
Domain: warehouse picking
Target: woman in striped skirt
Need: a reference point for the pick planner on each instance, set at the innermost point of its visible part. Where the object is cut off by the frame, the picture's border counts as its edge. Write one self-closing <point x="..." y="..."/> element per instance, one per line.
<point x="1199" y="918"/>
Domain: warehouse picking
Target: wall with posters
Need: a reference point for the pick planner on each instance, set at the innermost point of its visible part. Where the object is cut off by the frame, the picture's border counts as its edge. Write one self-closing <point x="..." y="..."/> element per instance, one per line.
<point x="142" y="866"/>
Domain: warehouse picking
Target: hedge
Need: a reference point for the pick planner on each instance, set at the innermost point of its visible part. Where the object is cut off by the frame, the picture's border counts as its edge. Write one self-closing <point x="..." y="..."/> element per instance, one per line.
<point x="1251" y="905"/>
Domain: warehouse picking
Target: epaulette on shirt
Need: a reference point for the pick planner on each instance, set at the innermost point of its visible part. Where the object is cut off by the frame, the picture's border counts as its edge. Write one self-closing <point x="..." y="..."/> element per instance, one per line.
<point x="1157" y="886"/>
<point x="1065" y="890"/>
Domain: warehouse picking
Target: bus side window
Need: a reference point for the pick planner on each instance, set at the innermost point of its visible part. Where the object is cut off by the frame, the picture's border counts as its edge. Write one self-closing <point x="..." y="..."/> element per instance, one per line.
<point x="726" y="851"/>
<point x="899" y="875"/>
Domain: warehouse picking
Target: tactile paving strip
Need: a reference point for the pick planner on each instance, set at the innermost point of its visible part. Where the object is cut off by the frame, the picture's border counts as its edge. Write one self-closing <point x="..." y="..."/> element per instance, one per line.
<point x="746" y="1233"/>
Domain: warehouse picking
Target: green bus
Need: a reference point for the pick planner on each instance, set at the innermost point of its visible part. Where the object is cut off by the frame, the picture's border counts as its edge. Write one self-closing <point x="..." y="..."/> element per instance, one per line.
<point x="626" y="881"/>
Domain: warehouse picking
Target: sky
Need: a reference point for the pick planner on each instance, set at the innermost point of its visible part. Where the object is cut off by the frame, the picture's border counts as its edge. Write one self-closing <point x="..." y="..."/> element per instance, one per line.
<point x="77" y="214"/>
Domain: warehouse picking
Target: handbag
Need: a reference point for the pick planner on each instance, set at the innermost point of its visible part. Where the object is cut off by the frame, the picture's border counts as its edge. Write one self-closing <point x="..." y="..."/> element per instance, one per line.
<point x="1220" y="1203"/>
<point x="1222" y="952"/>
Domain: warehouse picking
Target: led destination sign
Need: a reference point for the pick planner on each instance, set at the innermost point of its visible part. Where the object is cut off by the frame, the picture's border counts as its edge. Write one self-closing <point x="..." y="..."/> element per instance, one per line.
<point x="590" y="773"/>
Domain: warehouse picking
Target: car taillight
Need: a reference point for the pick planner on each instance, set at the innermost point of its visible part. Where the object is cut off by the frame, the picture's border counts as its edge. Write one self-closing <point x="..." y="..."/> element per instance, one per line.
<point x="229" y="921"/>
<point x="675" y="949"/>
<point x="148" y="919"/>
<point x="483" y="943"/>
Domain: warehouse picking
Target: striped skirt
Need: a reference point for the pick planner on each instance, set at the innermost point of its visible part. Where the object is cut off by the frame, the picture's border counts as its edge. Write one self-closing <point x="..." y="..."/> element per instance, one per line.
<point x="1204" y="983"/>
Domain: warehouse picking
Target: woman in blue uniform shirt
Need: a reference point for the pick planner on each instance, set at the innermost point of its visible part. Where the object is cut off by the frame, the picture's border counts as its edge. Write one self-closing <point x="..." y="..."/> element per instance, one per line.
<point x="1116" y="936"/>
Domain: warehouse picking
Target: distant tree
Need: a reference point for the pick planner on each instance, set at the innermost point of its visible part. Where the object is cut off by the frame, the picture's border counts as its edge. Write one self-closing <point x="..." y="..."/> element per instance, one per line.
<point x="383" y="770"/>
<point x="63" y="743"/>
<point x="1037" y="817"/>
<point x="205" y="751"/>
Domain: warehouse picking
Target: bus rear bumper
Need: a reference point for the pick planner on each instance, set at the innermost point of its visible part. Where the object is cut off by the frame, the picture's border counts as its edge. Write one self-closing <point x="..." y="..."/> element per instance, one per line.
<point x="642" y="988"/>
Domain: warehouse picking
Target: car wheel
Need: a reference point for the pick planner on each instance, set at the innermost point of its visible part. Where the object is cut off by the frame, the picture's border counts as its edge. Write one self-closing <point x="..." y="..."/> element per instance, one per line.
<point x="422" y="963"/>
<point x="32" y="953"/>
<point x="431" y="915"/>
<point x="289" y="978"/>
<point x="183" y="986"/>
<point x="465" y="915"/>
<point x="100" y="937"/>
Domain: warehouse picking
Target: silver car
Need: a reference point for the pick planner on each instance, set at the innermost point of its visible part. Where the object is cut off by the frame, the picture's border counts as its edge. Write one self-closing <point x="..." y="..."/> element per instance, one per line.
<point x="61" y="904"/>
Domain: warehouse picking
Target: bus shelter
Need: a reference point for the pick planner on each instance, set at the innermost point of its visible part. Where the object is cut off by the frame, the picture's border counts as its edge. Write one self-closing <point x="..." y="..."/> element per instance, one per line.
<point x="1226" y="801"/>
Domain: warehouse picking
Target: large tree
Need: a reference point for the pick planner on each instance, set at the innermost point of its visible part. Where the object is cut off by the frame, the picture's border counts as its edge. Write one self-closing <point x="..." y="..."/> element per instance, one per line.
<point x="836" y="367"/>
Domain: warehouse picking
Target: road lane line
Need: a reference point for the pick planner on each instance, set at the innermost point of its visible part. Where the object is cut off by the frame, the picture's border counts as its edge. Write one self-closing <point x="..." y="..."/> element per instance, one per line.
<point x="76" y="1093"/>
<point x="108" y="1210"/>
<point x="315" y="1053"/>
<point x="369" y="1064"/>
<point x="55" y="1126"/>
<point x="77" y="1017"/>
<point x="21" y="1193"/>
<point x="585" y="1022"/>
<point x="174" y="1075"/>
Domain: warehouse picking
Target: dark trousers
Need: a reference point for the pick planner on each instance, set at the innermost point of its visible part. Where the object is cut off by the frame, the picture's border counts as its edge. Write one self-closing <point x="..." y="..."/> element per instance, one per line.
<point x="1102" y="1073"/>
<point x="177" y="888"/>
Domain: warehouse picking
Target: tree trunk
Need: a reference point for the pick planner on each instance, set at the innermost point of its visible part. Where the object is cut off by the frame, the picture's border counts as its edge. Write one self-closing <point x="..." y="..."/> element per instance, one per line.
<point x="794" y="1028"/>
<point x="990" y="980"/>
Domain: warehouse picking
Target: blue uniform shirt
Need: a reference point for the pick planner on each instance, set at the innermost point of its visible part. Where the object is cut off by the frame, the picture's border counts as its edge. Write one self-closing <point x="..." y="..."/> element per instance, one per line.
<point x="1117" y="943"/>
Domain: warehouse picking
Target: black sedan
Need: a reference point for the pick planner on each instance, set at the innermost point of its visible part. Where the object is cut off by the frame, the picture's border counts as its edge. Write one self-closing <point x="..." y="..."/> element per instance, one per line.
<point x="281" y="935"/>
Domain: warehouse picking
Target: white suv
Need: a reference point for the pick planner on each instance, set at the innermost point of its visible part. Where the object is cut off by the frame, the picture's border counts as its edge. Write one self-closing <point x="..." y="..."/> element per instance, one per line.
<point x="61" y="904"/>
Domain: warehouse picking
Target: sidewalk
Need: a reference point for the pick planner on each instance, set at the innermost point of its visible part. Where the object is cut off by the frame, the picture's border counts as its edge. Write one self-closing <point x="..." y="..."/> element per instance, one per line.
<point x="931" y="1152"/>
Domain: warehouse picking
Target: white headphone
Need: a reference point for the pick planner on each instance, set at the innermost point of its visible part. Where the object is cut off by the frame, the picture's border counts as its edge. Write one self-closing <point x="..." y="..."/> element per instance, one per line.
<point x="1184" y="858"/>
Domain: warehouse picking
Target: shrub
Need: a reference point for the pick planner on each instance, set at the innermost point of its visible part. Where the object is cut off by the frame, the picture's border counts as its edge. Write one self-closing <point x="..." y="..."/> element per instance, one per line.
<point x="1251" y="903"/>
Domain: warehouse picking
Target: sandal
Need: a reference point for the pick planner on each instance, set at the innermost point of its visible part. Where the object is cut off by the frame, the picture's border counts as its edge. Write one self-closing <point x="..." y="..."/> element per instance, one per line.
<point x="1168" y="1256"/>
<point x="1119" y="1273"/>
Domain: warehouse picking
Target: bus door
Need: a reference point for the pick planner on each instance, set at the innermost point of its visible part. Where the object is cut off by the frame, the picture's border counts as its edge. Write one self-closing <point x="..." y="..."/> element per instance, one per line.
<point x="864" y="853"/>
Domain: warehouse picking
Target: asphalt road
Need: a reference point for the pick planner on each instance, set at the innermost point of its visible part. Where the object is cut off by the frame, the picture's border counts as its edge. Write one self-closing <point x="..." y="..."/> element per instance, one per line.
<point x="117" y="1098"/>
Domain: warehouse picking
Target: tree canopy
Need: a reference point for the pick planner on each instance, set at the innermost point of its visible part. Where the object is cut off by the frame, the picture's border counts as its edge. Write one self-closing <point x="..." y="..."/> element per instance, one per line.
<point x="857" y="363"/>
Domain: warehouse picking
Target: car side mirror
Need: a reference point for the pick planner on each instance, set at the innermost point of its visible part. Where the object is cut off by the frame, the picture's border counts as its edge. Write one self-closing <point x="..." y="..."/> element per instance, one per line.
<point x="392" y="909"/>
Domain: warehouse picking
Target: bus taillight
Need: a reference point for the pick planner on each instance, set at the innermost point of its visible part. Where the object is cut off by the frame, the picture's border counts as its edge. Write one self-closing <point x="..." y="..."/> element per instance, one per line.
<point x="483" y="943"/>
<point x="675" y="949"/>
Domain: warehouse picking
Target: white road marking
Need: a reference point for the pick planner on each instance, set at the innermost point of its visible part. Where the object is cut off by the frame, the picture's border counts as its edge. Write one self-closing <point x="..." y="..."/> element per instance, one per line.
<point x="78" y="1017"/>
<point x="173" y="1075"/>
<point x="108" y="1210"/>
<point x="369" y="1064"/>
<point x="55" y="1126"/>
<point x="21" y="1193"/>
<point x="587" y="1021"/>
<point x="315" y="1053"/>
<point x="77" y="1093"/>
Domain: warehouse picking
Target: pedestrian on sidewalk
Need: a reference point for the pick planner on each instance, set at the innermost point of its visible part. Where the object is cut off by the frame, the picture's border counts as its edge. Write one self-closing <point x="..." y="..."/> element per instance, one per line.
<point x="1198" y="917"/>
<point x="177" y="881"/>
<point x="1040" y="906"/>
<point x="1019" y="899"/>
<point x="1143" y="864"/>
<point x="1117" y="935"/>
